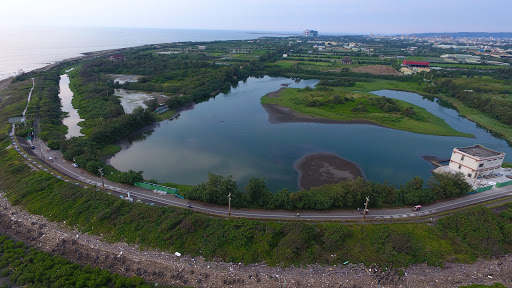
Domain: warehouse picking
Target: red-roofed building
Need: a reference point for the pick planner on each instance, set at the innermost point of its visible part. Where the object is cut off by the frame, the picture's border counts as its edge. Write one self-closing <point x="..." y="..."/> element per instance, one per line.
<point x="117" y="58"/>
<point x="418" y="64"/>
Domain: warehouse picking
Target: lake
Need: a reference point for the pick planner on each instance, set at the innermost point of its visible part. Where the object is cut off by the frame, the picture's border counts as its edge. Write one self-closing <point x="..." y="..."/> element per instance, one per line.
<point x="231" y="135"/>
<point x="66" y="96"/>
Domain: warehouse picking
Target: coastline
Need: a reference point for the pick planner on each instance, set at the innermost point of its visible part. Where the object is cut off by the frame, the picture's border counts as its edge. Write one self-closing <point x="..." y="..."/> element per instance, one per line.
<point x="279" y="114"/>
<point x="4" y="83"/>
<point x="323" y="168"/>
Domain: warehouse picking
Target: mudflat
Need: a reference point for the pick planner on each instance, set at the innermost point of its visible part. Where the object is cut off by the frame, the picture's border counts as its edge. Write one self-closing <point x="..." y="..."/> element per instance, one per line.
<point x="325" y="168"/>
<point x="280" y="114"/>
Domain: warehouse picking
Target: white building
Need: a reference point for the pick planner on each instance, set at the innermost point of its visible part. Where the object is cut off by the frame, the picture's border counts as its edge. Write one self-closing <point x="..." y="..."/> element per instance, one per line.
<point x="476" y="161"/>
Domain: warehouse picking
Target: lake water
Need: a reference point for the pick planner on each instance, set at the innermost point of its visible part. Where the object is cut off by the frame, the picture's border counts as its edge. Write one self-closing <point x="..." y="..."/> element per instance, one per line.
<point x="231" y="135"/>
<point x="72" y="119"/>
<point x="32" y="48"/>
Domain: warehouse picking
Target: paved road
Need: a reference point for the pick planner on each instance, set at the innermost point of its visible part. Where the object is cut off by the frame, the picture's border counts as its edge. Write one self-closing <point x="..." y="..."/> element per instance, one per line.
<point x="66" y="171"/>
<point x="40" y="158"/>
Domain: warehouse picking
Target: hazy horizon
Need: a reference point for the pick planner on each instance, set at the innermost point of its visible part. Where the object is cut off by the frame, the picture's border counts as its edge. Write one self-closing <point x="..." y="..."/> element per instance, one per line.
<point x="329" y="17"/>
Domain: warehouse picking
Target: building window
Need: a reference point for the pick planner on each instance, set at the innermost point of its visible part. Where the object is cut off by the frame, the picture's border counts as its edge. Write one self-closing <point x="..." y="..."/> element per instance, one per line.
<point x="462" y="158"/>
<point x="460" y="166"/>
<point x="481" y="165"/>
<point x="469" y="175"/>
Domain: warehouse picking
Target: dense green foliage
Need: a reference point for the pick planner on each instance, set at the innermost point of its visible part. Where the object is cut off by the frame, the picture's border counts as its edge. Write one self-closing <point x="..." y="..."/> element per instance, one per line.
<point x="456" y="238"/>
<point x="28" y="267"/>
<point x="185" y="77"/>
<point x="347" y="194"/>
<point x="495" y="107"/>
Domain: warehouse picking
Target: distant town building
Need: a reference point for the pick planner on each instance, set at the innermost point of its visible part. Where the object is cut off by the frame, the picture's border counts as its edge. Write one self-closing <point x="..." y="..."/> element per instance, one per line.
<point x="476" y="161"/>
<point x="201" y="47"/>
<point x="117" y="58"/>
<point x="418" y="64"/>
<point x="310" y="33"/>
<point x="346" y="60"/>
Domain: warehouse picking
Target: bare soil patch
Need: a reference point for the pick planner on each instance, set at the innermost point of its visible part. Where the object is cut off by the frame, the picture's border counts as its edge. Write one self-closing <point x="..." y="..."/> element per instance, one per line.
<point x="377" y="70"/>
<point x="5" y="83"/>
<point x="325" y="168"/>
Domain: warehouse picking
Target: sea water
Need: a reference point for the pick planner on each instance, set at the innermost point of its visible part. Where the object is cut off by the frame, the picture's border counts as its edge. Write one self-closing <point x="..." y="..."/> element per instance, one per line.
<point x="26" y="49"/>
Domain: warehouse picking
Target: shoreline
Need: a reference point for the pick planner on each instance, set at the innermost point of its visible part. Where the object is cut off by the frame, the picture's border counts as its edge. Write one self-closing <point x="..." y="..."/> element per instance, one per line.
<point x="317" y="169"/>
<point x="278" y="114"/>
<point x="4" y="83"/>
<point x="126" y="142"/>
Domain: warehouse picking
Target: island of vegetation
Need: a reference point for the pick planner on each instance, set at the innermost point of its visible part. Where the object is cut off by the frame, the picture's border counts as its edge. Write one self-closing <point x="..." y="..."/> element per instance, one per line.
<point x="185" y="74"/>
<point x="328" y="103"/>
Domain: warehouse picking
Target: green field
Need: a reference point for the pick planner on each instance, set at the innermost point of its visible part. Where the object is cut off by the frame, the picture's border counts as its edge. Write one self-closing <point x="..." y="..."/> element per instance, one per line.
<point x="423" y="122"/>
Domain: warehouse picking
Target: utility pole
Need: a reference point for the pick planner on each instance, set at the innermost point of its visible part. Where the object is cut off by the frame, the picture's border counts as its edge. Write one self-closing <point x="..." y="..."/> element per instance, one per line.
<point x="101" y="174"/>
<point x="366" y="207"/>
<point x="229" y="204"/>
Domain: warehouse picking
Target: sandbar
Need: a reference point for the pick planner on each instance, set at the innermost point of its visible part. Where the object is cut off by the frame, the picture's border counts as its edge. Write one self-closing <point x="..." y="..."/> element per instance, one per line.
<point x="325" y="168"/>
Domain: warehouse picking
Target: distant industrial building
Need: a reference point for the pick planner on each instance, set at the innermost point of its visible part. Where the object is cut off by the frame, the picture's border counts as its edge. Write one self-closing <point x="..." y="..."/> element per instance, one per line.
<point x="476" y="161"/>
<point x="310" y="33"/>
<point x="416" y="64"/>
<point x="346" y="60"/>
<point x="460" y="58"/>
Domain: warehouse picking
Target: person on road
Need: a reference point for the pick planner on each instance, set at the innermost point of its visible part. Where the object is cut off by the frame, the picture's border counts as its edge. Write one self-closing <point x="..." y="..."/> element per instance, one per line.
<point x="298" y="214"/>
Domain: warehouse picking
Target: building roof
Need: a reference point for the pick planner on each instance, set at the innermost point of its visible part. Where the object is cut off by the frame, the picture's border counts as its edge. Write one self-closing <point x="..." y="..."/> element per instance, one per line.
<point x="479" y="151"/>
<point x="117" y="56"/>
<point x="425" y="63"/>
<point x="346" y="58"/>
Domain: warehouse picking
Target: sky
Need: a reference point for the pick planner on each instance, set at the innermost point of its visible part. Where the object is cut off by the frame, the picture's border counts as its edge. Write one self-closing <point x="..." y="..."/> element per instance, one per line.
<point x="325" y="16"/>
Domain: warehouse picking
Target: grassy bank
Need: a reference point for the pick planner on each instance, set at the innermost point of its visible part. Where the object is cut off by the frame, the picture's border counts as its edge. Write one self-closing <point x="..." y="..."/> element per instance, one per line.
<point x="456" y="238"/>
<point x="23" y="265"/>
<point x="421" y="121"/>
<point x="481" y="119"/>
<point x="12" y="101"/>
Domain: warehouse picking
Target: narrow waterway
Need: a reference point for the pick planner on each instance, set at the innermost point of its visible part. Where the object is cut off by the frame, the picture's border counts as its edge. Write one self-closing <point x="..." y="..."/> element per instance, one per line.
<point x="72" y="119"/>
<point x="231" y="135"/>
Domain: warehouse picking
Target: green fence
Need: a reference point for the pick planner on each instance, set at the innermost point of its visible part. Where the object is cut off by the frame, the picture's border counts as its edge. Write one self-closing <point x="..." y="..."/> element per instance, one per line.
<point x="503" y="184"/>
<point x="481" y="189"/>
<point x="151" y="186"/>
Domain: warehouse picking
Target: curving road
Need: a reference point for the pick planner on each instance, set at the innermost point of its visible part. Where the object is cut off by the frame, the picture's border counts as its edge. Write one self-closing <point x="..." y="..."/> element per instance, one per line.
<point x="40" y="158"/>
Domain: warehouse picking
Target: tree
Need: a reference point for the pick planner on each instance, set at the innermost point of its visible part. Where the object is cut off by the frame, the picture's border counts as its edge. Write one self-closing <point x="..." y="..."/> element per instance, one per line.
<point x="257" y="191"/>
<point x="215" y="190"/>
<point x="447" y="185"/>
<point x="281" y="200"/>
<point x="130" y="177"/>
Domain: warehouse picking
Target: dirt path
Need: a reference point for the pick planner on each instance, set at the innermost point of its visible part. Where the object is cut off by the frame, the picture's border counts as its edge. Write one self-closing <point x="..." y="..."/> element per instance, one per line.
<point x="377" y="69"/>
<point x="167" y="268"/>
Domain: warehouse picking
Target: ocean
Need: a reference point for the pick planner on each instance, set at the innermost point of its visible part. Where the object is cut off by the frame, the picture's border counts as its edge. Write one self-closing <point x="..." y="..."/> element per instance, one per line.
<point x="26" y="49"/>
